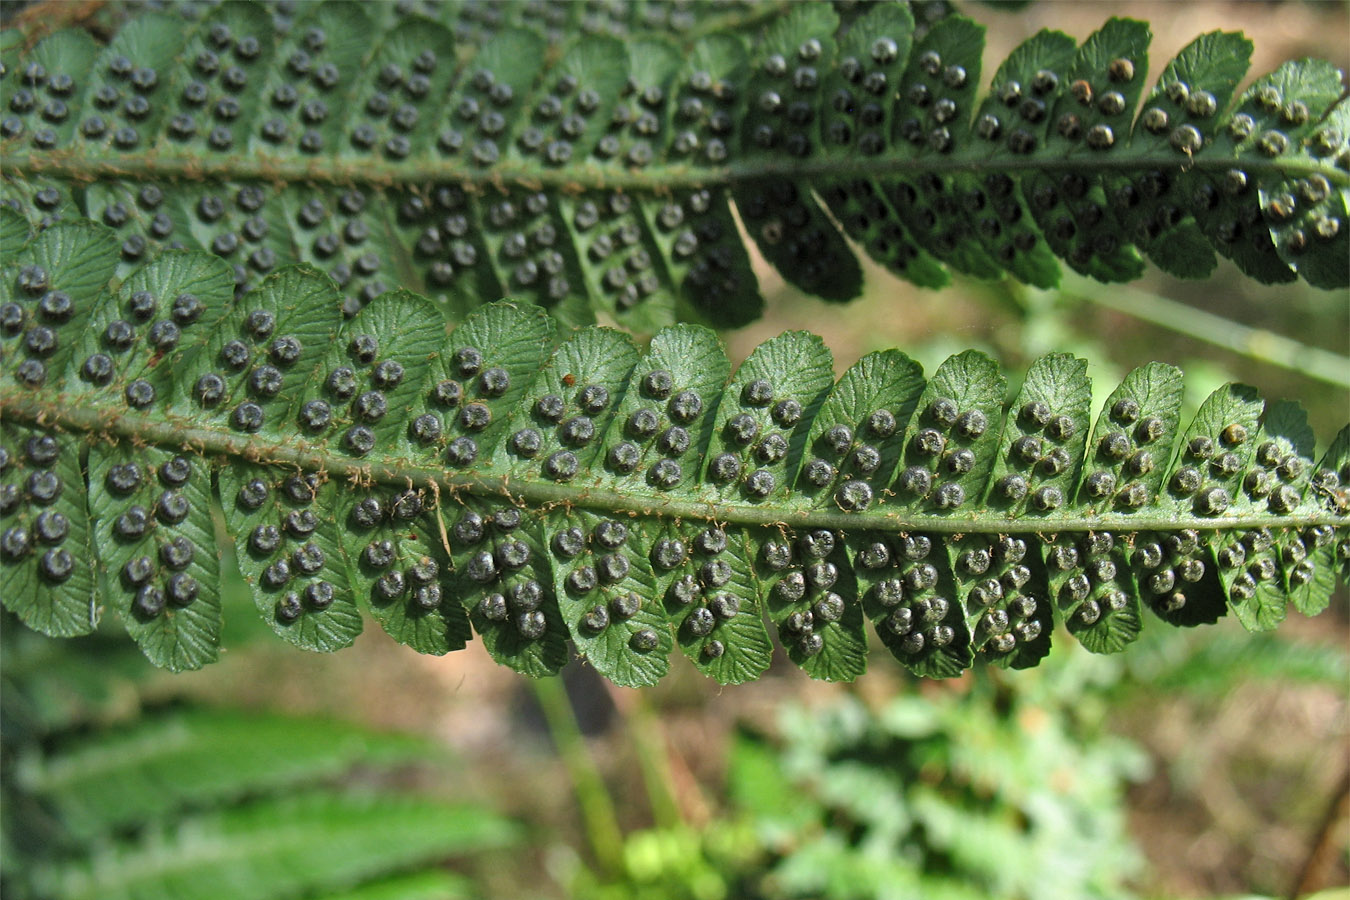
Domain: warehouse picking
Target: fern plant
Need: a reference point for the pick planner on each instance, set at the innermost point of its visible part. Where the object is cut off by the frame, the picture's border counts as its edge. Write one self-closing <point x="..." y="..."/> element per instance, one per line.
<point x="201" y="802"/>
<point x="508" y="153"/>
<point x="223" y="800"/>
<point x="624" y="499"/>
<point x="539" y="487"/>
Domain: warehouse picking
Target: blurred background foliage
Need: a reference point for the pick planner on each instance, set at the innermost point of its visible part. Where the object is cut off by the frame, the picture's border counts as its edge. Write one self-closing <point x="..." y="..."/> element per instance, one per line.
<point x="1203" y="763"/>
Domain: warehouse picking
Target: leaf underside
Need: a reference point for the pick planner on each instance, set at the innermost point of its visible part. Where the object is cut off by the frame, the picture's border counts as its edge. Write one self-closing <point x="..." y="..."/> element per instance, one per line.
<point x="525" y="150"/>
<point x="551" y="490"/>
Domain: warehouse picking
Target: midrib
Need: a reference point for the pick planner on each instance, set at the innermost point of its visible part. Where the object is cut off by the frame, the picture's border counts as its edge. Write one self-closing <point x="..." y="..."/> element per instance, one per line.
<point x="68" y="165"/>
<point x="54" y="410"/>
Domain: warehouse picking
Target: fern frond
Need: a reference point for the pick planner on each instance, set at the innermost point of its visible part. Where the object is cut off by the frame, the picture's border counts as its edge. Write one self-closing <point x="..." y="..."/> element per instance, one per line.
<point x="275" y="848"/>
<point x="197" y="759"/>
<point x="599" y="176"/>
<point x="206" y="802"/>
<point x="535" y="487"/>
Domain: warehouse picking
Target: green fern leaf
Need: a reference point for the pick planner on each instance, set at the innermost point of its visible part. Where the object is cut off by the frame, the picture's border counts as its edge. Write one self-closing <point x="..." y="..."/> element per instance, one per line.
<point x="162" y="765"/>
<point x="538" y="489"/>
<point x="477" y="156"/>
<point x="433" y="885"/>
<point x="277" y="847"/>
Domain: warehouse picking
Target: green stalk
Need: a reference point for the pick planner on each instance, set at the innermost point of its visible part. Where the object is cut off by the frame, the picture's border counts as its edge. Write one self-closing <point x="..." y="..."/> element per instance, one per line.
<point x="74" y="166"/>
<point x="649" y="746"/>
<point x="1251" y="343"/>
<point x="597" y="807"/>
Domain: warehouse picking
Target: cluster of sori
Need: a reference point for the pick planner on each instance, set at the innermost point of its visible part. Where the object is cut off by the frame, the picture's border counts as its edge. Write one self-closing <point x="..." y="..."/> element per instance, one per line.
<point x="947" y="428"/>
<point x="298" y="524"/>
<point x="167" y="507"/>
<point x="41" y="487"/>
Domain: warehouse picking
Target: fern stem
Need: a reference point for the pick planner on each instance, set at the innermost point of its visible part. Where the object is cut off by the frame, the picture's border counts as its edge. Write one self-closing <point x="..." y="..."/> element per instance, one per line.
<point x="578" y="178"/>
<point x="593" y="800"/>
<point x="67" y="414"/>
<point x="1316" y="867"/>
<point x="649" y="746"/>
<point x="1252" y="343"/>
